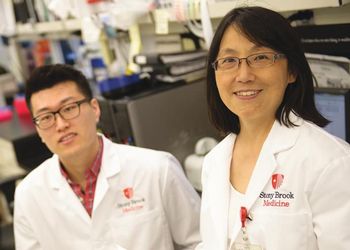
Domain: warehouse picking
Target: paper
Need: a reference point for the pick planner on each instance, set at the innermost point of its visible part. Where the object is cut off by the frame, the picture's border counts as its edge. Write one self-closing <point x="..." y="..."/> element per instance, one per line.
<point x="161" y="19"/>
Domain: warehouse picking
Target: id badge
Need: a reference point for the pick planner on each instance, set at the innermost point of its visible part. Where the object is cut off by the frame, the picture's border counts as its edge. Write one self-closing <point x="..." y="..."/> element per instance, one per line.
<point x="243" y="243"/>
<point x="246" y="246"/>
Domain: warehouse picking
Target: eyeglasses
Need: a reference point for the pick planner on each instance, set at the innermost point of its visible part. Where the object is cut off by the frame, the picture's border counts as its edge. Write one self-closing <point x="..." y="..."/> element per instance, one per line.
<point x="67" y="112"/>
<point x="260" y="60"/>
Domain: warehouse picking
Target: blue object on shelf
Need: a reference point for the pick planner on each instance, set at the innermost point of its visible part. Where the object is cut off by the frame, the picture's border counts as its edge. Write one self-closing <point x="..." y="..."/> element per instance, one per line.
<point x="119" y="86"/>
<point x="97" y="62"/>
<point x="118" y="82"/>
<point x="99" y="69"/>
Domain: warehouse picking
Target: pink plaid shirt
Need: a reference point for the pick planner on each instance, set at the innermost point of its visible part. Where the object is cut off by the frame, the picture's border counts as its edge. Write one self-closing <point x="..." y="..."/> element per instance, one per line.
<point x="87" y="197"/>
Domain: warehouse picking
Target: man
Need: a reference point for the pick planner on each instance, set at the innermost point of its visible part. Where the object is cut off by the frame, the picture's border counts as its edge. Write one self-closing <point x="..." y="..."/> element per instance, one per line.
<point x="94" y="194"/>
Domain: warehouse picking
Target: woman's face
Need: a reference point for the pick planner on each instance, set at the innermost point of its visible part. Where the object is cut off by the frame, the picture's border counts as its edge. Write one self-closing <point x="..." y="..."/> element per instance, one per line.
<point x="253" y="94"/>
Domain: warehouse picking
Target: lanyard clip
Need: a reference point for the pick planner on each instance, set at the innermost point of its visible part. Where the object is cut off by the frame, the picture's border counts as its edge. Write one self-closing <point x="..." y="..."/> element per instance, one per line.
<point x="244" y="216"/>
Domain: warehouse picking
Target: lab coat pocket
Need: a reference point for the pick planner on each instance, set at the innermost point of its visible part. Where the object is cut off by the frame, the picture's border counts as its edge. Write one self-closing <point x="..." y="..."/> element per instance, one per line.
<point x="140" y="230"/>
<point x="276" y="231"/>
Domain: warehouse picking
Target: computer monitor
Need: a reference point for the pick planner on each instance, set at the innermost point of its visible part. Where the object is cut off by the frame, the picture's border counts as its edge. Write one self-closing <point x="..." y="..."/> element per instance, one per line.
<point x="167" y="117"/>
<point x="334" y="104"/>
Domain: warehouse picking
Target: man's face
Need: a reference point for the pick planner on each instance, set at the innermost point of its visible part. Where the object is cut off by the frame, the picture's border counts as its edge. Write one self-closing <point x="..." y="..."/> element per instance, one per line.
<point x="66" y="137"/>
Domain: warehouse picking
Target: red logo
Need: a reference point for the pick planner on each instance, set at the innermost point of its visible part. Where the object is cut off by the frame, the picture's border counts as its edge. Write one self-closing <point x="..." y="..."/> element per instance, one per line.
<point x="128" y="192"/>
<point x="277" y="180"/>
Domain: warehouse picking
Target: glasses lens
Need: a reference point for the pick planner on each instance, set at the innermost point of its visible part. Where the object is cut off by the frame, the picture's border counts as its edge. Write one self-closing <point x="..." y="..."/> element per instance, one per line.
<point x="227" y="63"/>
<point x="261" y="60"/>
<point x="70" y="111"/>
<point x="45" y="120"/>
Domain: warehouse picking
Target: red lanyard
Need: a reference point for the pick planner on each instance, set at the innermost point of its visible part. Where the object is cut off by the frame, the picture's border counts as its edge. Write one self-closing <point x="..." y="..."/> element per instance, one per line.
<point x="244" y="216"/>
<point x="246" y="244"/>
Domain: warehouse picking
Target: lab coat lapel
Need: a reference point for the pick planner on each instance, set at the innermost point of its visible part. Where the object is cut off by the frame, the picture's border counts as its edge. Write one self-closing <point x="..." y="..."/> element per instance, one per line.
<point x="110" y="166"/>
<point x="65" y="196"/>
<point x="218" y="189"/>
<point x="279" y="139"/>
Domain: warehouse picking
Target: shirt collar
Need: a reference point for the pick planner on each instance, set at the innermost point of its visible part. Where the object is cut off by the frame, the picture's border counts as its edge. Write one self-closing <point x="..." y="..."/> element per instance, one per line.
<point x="95" y="166"/>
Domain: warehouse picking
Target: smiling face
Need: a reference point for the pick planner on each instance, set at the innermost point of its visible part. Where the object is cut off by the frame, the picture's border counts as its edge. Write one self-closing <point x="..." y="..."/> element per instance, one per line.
<point x="253" y="94"/>
<point x="67" y="138"/>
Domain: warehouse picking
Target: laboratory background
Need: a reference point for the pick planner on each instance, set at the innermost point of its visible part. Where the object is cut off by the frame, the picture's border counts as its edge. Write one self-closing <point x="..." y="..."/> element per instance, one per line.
<point x="145" y="61"/>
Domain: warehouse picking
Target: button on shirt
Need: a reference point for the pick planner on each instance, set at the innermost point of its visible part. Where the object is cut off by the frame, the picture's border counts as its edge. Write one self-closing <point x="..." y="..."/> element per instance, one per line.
<point x="87" y="197"/>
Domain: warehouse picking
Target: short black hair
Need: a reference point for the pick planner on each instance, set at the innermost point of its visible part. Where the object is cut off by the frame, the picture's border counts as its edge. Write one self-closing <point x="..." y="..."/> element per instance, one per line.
<point x="48" y="76"/>
<point x="269" y="29"/>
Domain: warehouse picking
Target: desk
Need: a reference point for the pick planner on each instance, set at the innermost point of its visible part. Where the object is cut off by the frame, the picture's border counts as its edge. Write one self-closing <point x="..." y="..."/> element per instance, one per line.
<point x="20" y="143"/>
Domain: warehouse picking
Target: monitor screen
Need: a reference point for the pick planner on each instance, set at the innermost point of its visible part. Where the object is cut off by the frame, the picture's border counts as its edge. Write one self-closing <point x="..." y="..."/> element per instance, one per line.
<point x="334" y="105"/>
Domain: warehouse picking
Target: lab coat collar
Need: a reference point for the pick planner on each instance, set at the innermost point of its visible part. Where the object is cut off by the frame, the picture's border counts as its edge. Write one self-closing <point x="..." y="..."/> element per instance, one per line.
<point x="110" y="160"/>
<point x="55" y="177"/>
<point x="279" y="139"/>
<point x="62" y="191"/>
<point x="110" y="166"/>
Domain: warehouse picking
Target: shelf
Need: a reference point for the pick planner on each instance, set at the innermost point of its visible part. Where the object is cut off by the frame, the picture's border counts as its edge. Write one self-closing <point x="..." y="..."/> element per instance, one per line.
<point x="217" y="9"/>
<point x="48" y="27"/>
<point x="220" y="8"/>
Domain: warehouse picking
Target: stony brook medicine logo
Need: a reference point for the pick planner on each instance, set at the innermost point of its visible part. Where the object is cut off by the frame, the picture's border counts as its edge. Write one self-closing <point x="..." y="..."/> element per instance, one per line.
<point x="277" y="180"/>
<point x="276" y="198"/>
<point x="129" y="202"/>
<point x="128" y="192"/>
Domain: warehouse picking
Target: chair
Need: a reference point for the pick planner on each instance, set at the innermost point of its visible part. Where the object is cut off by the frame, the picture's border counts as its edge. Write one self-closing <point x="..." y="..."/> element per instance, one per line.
<point x="7" y="191"/>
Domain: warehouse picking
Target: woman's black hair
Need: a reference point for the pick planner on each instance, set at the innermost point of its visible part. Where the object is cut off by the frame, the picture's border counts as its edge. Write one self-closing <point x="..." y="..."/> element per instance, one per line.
<point x="269" y="29"/>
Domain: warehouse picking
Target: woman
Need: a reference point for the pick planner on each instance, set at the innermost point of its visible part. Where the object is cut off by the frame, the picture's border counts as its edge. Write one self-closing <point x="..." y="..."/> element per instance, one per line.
<point x="277" y="181"/>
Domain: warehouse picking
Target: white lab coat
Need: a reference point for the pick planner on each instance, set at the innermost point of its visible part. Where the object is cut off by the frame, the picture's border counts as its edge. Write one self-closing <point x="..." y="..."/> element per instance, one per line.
<point x="159" y="208"/>
<point x="316" y="170"/>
